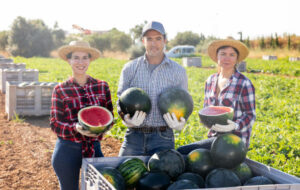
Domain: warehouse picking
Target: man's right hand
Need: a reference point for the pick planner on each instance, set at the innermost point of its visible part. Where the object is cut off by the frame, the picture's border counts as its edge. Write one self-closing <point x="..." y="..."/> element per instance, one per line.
<point x="137" y="119"/>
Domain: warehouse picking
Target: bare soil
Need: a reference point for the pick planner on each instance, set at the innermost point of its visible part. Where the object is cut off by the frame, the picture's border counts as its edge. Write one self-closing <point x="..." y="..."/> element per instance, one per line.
<point x="26" y="149"/>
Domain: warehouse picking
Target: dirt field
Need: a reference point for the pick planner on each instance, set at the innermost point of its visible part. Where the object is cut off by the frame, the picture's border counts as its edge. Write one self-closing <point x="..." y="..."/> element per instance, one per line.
<point x="26" y="150"/>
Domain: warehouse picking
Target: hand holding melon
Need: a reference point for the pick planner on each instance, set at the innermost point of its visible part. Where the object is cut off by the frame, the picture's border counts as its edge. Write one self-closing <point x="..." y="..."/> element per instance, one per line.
<point x="172" y="121"/>
<point x="212" y="115"/>
<point x="136" y="120"/>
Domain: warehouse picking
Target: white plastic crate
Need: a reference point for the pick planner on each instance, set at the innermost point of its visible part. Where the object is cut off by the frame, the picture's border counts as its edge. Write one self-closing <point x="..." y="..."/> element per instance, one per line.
<point x="28" y="98"/>
<point x="291" y="59"/>
<point x="192" y="61"/>
<point x="241" y="67"/>
<point x="90" y="177"/>
<point x="13" y="66"/>
<point x="269" y="57"/>
<point x="5" y="60"/>
<point x="18" y="75"/>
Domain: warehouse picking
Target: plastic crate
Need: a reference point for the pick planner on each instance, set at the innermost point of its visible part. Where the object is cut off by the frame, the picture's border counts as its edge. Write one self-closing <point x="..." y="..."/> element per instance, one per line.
<point x="5" y="60"/>
<point x="192" y="61"/>
<point x="28" y="98"/>
<point x="19" y="75"/>
<point x="291" y="59"/>
<point x="13" y="66"/>
<point x="241" y="67"/>
<point x="269" y="57"/>
<point x="90" y="177"/>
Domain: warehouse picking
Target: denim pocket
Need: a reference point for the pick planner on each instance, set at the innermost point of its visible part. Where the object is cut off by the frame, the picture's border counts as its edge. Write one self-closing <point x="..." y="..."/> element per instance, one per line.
<point x="167" y="135"/>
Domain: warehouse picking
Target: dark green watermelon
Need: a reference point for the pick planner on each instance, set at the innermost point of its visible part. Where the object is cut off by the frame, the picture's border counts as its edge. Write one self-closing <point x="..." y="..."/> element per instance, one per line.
<point x="215" y="115"/>
<point x="176" y="100"/>
<point x="199" y="161"/>
<point x="228" y="151"/>
<point x="132" y="169"/>
<point x="243" y="171"/>
<point x="196" y="178"/>
<point x="134" y="99"/>
<point x="183" y="184"/>
<point x="169" y="161"/>
<point x="258" y="180"/>
<point x="113" y="176"/>
<point x="153" y="181"/>
<point x="221" y="177"/>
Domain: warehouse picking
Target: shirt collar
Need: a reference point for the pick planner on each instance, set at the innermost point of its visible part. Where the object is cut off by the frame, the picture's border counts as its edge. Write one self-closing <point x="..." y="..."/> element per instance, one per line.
<point x="72" y="81"/>
<point x="166" y="60"/>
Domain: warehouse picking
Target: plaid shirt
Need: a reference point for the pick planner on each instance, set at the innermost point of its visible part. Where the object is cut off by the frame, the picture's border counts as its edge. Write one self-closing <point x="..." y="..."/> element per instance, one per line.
<point x="67" y="99"/>
<point x="137" y="73"/>
<point x="239" y="94"/>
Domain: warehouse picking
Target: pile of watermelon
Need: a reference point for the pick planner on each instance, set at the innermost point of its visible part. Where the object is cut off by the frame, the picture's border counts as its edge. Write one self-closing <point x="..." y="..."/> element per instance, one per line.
<point x="221" y="166"/>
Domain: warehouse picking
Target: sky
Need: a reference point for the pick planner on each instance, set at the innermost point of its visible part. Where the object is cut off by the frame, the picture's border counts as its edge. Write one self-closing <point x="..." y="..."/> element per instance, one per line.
<point x="220" y="18"/>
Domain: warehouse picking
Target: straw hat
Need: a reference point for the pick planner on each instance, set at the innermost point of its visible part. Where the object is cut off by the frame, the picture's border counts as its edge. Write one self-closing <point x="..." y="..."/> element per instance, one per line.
<point x="215" y="45"/>
<point x="79" y="46"/>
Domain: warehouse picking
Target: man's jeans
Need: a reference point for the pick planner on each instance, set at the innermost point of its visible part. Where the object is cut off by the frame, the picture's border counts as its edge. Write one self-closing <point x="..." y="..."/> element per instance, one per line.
<point x="66" y="161"/>
<point x="138" y="143"/>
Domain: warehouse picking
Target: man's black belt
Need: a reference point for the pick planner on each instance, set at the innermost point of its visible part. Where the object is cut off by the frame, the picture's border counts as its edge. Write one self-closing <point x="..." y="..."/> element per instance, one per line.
<point x="147" y="129"/>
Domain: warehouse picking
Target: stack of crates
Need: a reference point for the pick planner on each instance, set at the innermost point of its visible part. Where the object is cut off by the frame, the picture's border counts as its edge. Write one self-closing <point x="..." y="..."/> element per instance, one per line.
<point x="18" y="75"/>
<point x="192" y="61"/>
<point x="13" y="66"/>
<point x="92" y="178"/>
<point x="28" y="98"/>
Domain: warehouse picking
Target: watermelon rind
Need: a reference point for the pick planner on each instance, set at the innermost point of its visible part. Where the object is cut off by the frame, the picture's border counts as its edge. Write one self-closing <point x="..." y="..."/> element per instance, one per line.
<point x="169" y="161"/>
<point x="176" y="100"/>
<point x="221" y="177"/>
<point x="134" y="99"/>
<point x="95" y="129"/>
<point x="132" y="169"/>
<point x="113" y="176"/>
<point x="210" y="120"/>
<point x="228" y="151"/>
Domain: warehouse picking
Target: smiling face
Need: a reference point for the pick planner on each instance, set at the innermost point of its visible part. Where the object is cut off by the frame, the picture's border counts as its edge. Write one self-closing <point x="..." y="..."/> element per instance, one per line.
<point x="154" y="43"/>
<point x="227" y="58"/>
<point x="79" y="62"/>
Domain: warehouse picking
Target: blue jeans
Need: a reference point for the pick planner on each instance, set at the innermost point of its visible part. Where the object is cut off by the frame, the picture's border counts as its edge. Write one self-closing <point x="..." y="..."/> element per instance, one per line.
<point x="66" y="161"/>
<point x="206" y="143"/>
<point x="138" y="143"/>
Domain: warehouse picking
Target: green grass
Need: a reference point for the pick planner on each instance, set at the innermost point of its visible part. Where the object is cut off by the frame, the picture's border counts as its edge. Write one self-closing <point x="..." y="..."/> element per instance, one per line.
<point x="275" y="137"/>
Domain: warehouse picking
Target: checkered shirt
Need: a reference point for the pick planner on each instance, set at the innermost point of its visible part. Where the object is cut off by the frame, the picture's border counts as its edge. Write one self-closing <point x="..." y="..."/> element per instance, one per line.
<point x="239" y="93"/>
<point x="67" y="99"/>
<point x="138" y="74"/>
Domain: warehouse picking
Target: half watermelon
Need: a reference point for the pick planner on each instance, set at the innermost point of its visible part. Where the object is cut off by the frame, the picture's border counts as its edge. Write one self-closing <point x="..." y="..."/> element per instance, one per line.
<point x="215" y="115"/>
<point x="96" y="119"/>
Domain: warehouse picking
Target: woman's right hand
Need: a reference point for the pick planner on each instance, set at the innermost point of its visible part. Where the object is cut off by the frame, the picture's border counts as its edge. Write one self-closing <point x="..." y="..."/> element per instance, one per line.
<point x="84" y="132"/>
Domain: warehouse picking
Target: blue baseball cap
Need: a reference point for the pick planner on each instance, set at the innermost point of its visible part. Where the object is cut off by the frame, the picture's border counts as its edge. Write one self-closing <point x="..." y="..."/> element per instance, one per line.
<point x="154" y="25"/>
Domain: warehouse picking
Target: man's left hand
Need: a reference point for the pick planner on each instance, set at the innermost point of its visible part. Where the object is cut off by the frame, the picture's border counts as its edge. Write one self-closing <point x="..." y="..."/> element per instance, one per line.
<point x="172" y="121"/>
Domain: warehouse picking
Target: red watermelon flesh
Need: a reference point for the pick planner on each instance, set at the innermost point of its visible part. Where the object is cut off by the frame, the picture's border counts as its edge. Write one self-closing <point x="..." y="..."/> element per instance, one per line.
<point x="95" y="117"/>
<point x="215" y="110"/>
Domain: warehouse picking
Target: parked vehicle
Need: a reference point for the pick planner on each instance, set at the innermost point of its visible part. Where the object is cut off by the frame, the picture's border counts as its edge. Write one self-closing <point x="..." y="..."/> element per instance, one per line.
<point x="181" y="51"/>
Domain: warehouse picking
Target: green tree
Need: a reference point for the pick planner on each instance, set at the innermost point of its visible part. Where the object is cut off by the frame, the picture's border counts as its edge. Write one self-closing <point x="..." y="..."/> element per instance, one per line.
<point x="241" y="36"/>
<point x="262" y="44"/>
<point x="58" y="36"/>
<point x="136" y="32"/>
<point x="119" y="41"/>
<point x="3" y="40"/>
<point x="186" y="38"/>
<point x="289" y="42"/>
<point x="30" y="38"/>
<point x="247" y="42"/>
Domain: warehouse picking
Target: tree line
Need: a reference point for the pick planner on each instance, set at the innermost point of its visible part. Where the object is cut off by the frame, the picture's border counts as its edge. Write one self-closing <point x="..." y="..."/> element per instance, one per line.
<point x="28" y="38"/>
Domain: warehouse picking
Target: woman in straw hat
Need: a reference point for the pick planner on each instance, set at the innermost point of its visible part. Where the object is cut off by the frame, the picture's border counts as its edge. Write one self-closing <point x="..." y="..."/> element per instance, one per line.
<point x="229" y="88"/>
<point x="80" y="90"/>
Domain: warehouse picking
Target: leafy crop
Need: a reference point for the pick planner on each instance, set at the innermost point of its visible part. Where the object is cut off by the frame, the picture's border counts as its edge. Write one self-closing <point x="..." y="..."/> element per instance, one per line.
<point x="275" y="139"/>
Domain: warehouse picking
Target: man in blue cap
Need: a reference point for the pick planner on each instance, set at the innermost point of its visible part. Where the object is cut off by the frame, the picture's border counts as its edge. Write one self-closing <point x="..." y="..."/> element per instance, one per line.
<point x="153" y="72"/>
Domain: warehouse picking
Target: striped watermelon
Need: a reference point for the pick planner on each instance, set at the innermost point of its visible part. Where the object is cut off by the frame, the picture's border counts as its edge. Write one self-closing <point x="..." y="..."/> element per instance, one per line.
<point x="132" y="169"/>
